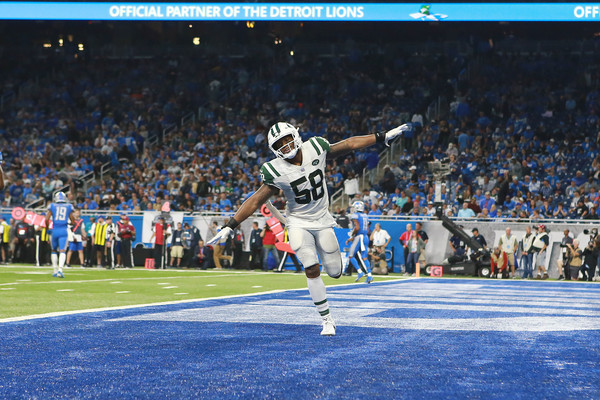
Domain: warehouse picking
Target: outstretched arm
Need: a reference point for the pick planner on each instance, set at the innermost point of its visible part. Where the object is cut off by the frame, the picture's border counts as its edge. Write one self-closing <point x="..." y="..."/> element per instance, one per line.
<point x="351" y="144"/>
<point x="358" y="142"/>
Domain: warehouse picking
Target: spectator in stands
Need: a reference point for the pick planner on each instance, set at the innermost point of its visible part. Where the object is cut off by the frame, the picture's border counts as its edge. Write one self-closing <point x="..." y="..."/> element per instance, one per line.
<point x="465" y="211"/>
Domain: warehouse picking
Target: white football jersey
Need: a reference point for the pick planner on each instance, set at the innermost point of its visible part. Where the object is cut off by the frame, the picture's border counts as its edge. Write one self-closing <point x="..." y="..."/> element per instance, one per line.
<point x="304" y="186"/>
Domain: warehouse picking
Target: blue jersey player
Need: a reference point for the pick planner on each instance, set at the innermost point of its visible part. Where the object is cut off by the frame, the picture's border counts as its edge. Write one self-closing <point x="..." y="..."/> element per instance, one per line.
<point x="359" y="249"/>
<point x="61" y="213"/>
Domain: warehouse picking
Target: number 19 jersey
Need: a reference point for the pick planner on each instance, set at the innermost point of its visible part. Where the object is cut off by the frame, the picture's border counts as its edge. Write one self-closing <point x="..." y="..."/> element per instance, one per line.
<point x="304" y="186"/>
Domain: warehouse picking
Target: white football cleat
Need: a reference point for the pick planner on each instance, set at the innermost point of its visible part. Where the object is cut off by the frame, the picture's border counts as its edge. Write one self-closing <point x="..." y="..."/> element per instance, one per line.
<point x="328" y="326"/>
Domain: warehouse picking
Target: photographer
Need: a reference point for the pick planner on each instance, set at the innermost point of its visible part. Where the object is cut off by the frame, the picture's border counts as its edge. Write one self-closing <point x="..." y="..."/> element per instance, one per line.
<point x="378" y="261"/>
<point x="590" y="256"/>
<point x="575" y="259"/>
<point x="566" y="240"/>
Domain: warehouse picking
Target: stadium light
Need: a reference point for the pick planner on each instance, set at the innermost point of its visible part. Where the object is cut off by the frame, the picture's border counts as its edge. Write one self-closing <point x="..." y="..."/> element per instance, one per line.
<point x="196" y="41"/>
<point x="80" y="46"/>
<point x="250" y="24"/>
<point x="60" y="42"/>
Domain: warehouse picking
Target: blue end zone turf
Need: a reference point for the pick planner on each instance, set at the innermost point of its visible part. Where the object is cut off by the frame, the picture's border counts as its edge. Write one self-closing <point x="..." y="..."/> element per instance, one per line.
<point x="414" y="339"/>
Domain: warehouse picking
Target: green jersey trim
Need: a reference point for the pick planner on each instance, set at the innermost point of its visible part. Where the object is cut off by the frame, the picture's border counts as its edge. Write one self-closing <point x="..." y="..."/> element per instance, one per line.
<point x="273" y="170"/>
<point x="314" y="144"/>
<point x="266" y="176"/>
<point x="323" y="143"/>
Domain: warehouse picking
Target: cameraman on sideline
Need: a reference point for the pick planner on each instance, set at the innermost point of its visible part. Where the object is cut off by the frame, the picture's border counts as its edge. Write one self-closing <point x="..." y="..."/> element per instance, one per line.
<point x="590" y="256"/>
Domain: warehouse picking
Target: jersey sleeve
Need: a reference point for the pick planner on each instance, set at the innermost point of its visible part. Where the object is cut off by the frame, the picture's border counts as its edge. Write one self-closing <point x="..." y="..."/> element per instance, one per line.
<point x="268" y="174"/>
<point x="320" y="144"/>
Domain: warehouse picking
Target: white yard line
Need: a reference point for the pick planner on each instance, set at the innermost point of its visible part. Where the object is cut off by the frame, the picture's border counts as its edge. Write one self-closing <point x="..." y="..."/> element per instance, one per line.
<point x="92" y="310"/>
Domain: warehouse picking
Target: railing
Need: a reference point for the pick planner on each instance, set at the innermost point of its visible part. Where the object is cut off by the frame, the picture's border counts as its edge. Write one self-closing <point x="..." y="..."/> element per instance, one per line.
<point x="5" y="99"/>
<point x="39" y="203"/>
<point x="105" y="168"/>
<point x="189" y="117"/>
<point x="87" y="179"/>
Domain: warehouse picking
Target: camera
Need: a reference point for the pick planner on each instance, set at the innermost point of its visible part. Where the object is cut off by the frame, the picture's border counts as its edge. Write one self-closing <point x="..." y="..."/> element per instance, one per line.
<point x="593" y="233"/>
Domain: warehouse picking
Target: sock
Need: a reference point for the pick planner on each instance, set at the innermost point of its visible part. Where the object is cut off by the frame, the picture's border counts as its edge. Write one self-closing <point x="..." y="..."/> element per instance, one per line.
<point x="367" y="266"/>
<point x="316" y="287"/>
<point x="62" y="257"/>
<point x="54" y="258"/>
<point x="357" y="266"/>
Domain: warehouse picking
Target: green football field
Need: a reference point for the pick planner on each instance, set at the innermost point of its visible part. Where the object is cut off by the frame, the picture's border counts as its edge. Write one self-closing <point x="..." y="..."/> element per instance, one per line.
<point x="28" y="290"/>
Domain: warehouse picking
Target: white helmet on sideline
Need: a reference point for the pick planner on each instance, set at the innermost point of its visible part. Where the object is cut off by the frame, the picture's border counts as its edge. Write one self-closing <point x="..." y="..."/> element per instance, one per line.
<point x="279" y="131"/>
<point x="59" y="197"/>
<point x="358" y="206"/>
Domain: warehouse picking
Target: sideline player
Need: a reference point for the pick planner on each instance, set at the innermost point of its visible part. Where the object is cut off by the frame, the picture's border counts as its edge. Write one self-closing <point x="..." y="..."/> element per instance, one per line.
<point x="358" y="255"/>
<point x="299" y="171"/>
<point x="61" y="213"/>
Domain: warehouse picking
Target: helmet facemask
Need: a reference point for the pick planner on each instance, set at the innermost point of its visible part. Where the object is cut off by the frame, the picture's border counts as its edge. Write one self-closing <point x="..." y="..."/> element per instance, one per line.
<point x="288" y="150"/>
<point x="280" y="131"/>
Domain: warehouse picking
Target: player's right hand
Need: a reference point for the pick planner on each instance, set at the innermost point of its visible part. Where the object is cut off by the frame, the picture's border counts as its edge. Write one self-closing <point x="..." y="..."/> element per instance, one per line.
<point x="222" y="234"/>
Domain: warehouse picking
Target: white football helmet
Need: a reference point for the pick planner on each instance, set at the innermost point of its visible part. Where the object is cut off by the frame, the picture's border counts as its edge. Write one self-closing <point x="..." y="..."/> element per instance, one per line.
<point x="358" y="206"/>
<point x="281" y="130"/>
<point x="59" y="197"/>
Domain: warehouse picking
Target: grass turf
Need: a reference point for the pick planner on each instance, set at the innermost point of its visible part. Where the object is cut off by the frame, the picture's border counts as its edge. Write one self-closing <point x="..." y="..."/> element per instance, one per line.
<point x="32" y="290"/>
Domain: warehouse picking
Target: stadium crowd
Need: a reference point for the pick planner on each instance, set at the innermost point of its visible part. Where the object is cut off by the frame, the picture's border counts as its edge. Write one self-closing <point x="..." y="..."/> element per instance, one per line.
<point x="520" y="133"/>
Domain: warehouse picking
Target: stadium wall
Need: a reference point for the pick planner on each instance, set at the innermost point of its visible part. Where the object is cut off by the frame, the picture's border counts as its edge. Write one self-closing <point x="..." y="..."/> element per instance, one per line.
<point x="437" y="249"/>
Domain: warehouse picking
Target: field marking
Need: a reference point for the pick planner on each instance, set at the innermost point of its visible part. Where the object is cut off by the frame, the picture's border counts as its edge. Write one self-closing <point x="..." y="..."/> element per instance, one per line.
<point x="254" y="287"/>
<point x="211" y="284"/>
<point x="126" y="279"/>
<point x="170" y="287"/>
<point x="163" y="283"/>
<point x="23" y="280"/>
<point x="123" y="291"/>
<point x="8" y="288"/>
<point x="65" y="290"/>
<point x="164" y="303"/>
<point x="115" y="282"/>
<point x="180" y="293"/>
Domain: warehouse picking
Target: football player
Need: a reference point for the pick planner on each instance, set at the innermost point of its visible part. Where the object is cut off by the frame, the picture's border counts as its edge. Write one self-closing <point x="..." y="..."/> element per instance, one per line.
<point x="359" y="249"/>
<point x="61" y="212"/>
<point x="299" y="171"/>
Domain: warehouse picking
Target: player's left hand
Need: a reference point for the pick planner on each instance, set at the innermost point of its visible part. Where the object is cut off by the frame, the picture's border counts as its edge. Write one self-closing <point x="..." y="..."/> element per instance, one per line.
<point x="222" y="234"/>
<point x="396" y="132"/>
